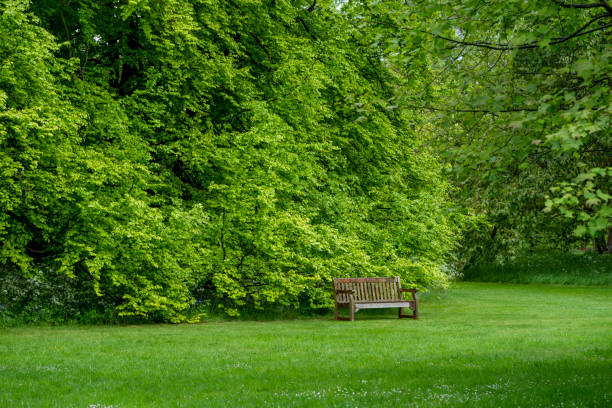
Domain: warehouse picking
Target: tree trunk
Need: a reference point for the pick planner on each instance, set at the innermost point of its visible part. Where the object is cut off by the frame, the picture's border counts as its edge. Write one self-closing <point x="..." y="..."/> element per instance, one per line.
<point x="599" y="244"/>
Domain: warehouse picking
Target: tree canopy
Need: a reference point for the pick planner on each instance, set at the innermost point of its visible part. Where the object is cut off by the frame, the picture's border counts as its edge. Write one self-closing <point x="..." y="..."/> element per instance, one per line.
<point x="240" y="152"/>
<point x="519" y="95"/>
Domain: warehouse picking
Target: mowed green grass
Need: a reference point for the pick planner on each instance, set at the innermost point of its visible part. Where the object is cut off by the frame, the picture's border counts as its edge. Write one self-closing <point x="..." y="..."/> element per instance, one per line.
<point x="478" y="344"/>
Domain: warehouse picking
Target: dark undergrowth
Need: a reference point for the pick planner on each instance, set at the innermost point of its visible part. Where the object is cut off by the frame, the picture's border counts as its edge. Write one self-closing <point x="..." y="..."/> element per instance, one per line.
<point x="574" y="268"/>
<point x="34" y="301"/>
<point x="48" y="298"/>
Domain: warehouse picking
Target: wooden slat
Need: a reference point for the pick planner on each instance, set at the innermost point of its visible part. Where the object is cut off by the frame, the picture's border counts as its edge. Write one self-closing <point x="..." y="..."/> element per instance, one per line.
<point x="387" y="290"/>
<point x="382" y="305"/>
<point x="398" y="287"/>
<point x="339" y="296"/>
<point x="335" y="289"/>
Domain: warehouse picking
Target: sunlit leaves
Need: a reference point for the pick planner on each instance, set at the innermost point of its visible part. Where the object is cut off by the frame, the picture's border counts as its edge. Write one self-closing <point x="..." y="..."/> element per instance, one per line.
<point x="239" y="152"/>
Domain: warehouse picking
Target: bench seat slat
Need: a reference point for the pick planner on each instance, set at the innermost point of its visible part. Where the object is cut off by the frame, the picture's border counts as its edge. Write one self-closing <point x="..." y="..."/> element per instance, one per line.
<point x="360" y="302"/>
<point x="382" y="305"/>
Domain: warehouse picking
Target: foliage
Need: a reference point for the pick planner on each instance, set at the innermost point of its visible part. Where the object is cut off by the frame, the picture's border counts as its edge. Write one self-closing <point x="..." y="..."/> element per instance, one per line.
<point x="519" y="102"/>
<point x="236" y="152"/>
<point x="49" y="297"/>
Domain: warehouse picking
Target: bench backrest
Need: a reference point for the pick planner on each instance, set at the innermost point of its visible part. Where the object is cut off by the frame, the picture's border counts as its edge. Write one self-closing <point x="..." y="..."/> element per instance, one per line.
<point x="368" y="289"/>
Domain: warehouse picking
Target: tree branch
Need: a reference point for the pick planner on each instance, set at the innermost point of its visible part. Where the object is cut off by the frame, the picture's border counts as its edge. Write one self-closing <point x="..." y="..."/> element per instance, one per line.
<point x="301" y="20"/>
<point x="262" y="46"/>
<point x="222" y="228"/>
<point x="602" y="3"/>
<point x="578" y="32"/>
<point x="508" y="47"/>
<point x="85" y="62"/>
<point x="589" y="5"/>
<point x="63" y="4"/>
<point x="433" y="108"/>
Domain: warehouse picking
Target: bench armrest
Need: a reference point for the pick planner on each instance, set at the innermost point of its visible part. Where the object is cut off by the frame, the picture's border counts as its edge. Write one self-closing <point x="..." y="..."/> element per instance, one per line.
<point x="412" y="290"/>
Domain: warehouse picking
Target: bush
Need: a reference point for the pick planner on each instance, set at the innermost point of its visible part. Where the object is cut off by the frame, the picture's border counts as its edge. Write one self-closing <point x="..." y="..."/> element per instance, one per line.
<point x="47" y="296"/>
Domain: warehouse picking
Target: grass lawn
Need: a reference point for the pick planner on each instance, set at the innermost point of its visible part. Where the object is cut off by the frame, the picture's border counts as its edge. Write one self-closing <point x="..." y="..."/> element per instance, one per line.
<point x="479" y="344"/>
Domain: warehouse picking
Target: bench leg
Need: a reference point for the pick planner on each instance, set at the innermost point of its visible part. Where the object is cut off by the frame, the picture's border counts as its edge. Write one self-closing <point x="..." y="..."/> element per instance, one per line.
<point x="337" y="313"/>
<point x="414" y="315"/>
<point x="352" y="312"/>
<point x="415" y="309"/>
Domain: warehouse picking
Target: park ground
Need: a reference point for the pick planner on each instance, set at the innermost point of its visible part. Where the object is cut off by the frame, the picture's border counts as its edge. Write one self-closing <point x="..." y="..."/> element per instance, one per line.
<point x="477" y="344"/>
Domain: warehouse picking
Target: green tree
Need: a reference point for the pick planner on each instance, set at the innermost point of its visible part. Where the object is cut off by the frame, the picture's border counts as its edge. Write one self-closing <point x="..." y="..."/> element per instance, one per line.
<point x="240" y="151"/>
<point x="520" y="104"/>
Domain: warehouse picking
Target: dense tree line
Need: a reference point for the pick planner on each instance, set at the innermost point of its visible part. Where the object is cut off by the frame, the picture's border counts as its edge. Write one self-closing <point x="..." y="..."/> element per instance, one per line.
<point x="160" y="153"/>
<point x="156" y="154"/>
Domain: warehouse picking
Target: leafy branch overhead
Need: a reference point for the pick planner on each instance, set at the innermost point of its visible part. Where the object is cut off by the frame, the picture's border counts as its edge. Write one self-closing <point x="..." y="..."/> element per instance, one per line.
<point x="519" y="103"/>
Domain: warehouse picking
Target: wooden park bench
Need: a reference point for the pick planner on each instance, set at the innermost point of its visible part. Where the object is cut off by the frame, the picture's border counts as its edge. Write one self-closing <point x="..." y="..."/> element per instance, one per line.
<point x="373" y="293"/>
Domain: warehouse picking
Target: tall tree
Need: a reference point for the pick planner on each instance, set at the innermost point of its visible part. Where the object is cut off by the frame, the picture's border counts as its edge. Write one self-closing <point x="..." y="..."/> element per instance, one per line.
<point x="240" y="151"/>
<point x="519" y="94"/>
